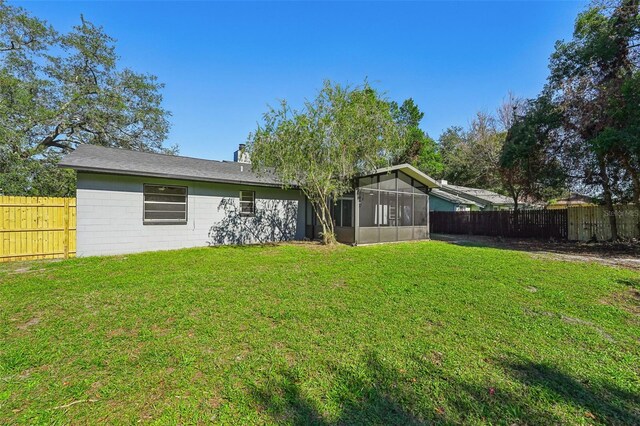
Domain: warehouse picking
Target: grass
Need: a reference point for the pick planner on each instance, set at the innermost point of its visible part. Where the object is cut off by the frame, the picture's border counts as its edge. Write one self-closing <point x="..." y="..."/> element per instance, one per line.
<point x="392" y="334"/>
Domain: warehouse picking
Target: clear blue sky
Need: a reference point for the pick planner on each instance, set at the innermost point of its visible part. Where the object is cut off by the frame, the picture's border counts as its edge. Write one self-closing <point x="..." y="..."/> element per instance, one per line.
<point x="223" y="63"/>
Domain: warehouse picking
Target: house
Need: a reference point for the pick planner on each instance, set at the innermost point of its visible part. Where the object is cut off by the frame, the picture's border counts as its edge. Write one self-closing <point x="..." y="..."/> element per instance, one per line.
<point x="443" y="201"/>
<point x="483" y="199"/>
<point x="131" y="201"/>
<point x="573" y="200"/>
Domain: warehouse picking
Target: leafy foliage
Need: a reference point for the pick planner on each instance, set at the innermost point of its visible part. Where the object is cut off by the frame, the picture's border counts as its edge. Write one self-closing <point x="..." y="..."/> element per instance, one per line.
<point x="526" y="168"/>
<point x="59" y="90"/>
<point x="471" y="156"/>
<point x="583" y="128"/>
<point x="420" y="150"/>
<point x="343" y="132"/>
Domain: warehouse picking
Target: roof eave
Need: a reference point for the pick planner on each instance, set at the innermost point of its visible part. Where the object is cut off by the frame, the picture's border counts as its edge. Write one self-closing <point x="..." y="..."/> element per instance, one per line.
<point x="412" y="172"/>
<point x="168" y="176"/>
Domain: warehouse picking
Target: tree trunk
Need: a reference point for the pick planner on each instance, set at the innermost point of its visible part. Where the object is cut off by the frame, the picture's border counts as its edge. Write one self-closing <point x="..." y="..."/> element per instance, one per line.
<point x="608" y="198"/>
<point x="324" y="217"/>
<point x="516" y="212"/>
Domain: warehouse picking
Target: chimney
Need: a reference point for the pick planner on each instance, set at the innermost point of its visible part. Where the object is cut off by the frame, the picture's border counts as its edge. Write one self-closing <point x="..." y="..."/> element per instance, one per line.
<point x="241" y="156"/>
<point x="443" y="182"/>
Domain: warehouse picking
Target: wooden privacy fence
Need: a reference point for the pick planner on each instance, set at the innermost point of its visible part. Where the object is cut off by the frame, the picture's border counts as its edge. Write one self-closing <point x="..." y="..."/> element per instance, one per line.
<point x="545" y="224"/>
<point x="592" y="222"/>
<point x="37" y="228"/>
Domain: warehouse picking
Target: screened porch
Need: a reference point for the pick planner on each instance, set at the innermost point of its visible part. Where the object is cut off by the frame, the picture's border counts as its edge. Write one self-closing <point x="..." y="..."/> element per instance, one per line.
<point x="389" y="205"/>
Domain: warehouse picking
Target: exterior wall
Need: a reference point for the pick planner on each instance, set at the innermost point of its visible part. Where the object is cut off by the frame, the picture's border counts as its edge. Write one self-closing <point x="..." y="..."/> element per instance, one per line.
<point x="441" y="205"/>
<point x="110" y="212"/>
<point x="345" y="235"/>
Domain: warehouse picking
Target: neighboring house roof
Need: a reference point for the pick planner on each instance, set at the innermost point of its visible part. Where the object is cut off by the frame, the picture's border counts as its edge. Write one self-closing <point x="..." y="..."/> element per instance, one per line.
<point x="411" y="171"/>
<point x="483" y="196"/>
<point x="574" y="199"/>
<point x="454" y="198"/>
<point x="92" y="158"/>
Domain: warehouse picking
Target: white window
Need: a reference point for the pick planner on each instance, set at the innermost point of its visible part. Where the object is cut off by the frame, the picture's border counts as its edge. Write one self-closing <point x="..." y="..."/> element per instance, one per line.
<point x="247" y="203"/>
<point x="165" y="204"/>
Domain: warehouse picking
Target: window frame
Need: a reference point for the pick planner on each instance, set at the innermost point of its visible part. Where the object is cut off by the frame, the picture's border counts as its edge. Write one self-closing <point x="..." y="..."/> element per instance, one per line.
<point x="253" y="203"/>
<point x="338" y="220"/>
<point x="146" y="221"/>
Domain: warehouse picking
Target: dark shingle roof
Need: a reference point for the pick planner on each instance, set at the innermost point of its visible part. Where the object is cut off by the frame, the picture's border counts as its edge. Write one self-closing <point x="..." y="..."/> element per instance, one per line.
<point x="482" y="195"/>
<point x="91" y="158"/>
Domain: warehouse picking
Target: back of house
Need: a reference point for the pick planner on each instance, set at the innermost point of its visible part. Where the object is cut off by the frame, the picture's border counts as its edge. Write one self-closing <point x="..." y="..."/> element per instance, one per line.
<point x="131" y="201"/>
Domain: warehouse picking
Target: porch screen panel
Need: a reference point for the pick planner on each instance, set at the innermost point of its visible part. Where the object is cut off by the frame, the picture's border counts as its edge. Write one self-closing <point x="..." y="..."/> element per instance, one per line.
<point x="387" y="209"/>
<point x="387" y="182"/>
<point x="405" y="209"/>
<point x="420" y="210"/>
<point x="368" y="200"/>
<point x="404" y="183"/>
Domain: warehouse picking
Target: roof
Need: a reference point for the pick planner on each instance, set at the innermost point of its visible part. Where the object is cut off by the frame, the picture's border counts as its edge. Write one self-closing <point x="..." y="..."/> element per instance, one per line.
<point x="92" y="158"/>
<point x="479" y="195"/>
<point x="574" y="198"/>
<point x="411" y="171"/>
<point x="454" y="198"/>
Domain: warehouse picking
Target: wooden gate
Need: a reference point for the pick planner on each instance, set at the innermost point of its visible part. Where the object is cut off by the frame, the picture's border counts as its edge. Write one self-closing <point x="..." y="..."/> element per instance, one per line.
<point x="37" y="228"/>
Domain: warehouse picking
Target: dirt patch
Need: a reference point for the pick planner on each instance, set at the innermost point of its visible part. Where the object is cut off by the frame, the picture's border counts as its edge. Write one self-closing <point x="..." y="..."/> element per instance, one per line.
<point x="578" y="321"/>
<point x="629" y="300"/>
<point x="623" y="255"/>
<point x="340" y="284"/>
<point x="572" y="320"/>
<point x="33" y="321"/>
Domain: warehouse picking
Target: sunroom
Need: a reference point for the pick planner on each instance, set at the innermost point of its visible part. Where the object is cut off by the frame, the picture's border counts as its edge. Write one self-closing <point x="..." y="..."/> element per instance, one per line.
<point x="391" y="204"/>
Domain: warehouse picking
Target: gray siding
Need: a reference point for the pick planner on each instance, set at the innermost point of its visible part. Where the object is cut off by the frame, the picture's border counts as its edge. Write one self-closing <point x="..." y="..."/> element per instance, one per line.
<point x="110" y="210"/>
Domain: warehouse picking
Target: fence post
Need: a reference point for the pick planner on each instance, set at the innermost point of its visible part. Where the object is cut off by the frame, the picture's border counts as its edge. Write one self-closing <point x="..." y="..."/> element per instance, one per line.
<point x="66" y="227"/>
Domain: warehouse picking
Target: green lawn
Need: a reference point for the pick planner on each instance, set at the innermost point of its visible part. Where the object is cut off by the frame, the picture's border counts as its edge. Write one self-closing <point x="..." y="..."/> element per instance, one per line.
<point x="401" y="333"/>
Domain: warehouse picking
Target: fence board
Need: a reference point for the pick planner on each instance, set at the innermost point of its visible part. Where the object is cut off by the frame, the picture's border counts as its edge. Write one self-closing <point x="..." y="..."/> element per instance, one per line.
<point x="592" y="222"/>
<point x="37" y="228"/>
<point x="579" y="223"/>
<point x="545" y="224"/>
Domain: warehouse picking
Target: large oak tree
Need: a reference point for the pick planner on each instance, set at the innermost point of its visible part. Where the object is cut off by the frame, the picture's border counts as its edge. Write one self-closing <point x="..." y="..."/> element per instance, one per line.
<point x="58" y="90"/>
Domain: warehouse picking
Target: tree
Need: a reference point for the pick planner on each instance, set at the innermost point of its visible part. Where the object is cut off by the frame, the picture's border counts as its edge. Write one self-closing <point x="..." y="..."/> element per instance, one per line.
<point x="60" y="90"/>
<point x="471" y="156"/>
<point x="340" y="134"/>
<point x="419" y="150"/>
<point x="587" y="82"/>
<point x="526" y="167"/>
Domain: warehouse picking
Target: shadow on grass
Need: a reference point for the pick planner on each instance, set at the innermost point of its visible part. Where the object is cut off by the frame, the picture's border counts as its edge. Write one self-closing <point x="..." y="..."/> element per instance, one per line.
<point x="600" y="249"/>
<point x="377" y="394"/>
<point x="606" y="403"/>
<point x="361" y="397"/>
<point x="633" y="283"/>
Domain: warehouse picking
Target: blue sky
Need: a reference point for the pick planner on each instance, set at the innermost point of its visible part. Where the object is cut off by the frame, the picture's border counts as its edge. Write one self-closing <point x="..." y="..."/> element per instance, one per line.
<point x="223" y="63"/>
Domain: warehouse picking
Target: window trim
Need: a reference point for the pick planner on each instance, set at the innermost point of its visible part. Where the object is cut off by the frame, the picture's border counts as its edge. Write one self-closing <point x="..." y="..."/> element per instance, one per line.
<point x="253" y="203"/>
<point x="169" y="221"/>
